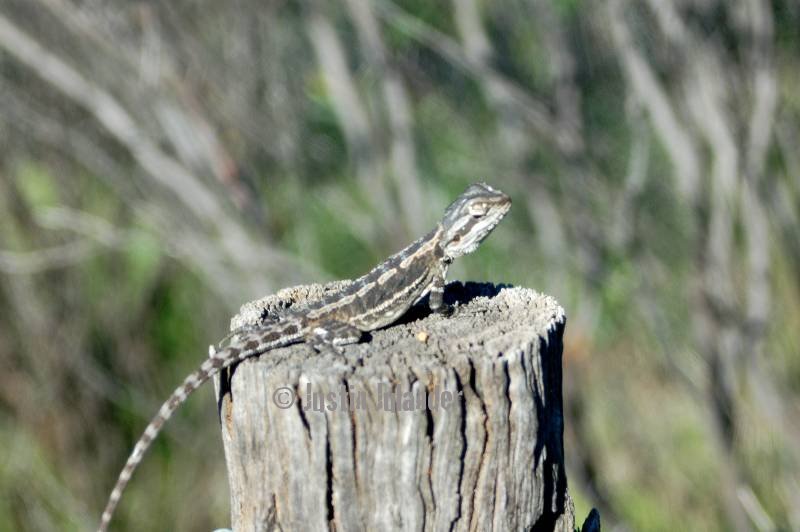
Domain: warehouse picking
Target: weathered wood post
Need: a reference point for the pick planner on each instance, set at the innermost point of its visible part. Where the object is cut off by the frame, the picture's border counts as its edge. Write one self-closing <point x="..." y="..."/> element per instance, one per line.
<point x="434" y="424"/>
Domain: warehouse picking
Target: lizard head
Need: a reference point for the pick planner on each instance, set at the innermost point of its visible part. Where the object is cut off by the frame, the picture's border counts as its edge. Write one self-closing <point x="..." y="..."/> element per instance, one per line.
<point x="471" y="217"/>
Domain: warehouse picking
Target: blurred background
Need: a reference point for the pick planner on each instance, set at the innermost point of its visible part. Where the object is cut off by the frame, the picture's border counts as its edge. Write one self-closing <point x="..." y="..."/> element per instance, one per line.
<point x="162" y="162"/>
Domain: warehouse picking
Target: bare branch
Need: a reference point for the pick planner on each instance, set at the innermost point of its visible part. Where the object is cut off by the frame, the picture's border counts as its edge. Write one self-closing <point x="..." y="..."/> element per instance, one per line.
<point x="112" y="116"/>
<point x="160" y="167"/>
<point x="352" y="114"/>
<point x="398" y="108"/>
<point x="567" y="95"/>
<point x="533" y="111"/>
<point x="622" y="230"/>
<point x="673" y="135"/>
<point x="31" y="262"/>
<point x="764" y="88"/>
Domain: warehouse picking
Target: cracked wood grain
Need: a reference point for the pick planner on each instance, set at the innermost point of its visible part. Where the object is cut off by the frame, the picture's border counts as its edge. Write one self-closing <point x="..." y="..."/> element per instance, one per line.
<point x="491" y="459"/>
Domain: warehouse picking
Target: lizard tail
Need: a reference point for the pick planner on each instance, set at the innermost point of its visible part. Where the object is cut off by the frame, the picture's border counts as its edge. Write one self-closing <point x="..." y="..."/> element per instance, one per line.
<point x="217" y="361"/>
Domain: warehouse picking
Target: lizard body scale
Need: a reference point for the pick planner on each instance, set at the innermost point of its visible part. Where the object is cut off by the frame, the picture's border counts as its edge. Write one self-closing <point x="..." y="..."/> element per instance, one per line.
<point x="372" y="301"/>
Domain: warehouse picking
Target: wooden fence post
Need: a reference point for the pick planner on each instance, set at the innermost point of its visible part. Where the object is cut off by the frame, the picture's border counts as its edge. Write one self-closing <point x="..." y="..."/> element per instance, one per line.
<point x="436" y="423"/>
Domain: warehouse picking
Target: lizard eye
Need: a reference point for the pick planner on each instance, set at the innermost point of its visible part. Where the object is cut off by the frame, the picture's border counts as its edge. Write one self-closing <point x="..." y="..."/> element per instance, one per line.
<point x="477" y="210"/>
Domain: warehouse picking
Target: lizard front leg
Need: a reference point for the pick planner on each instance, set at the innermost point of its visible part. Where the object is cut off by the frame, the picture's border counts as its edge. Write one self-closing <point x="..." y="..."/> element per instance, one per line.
<point x="436" y="295"/>
<point x="331" y="335"/>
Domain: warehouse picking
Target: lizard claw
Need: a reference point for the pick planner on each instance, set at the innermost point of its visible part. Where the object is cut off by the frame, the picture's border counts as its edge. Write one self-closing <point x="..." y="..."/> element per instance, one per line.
<point x="445" y="310"/>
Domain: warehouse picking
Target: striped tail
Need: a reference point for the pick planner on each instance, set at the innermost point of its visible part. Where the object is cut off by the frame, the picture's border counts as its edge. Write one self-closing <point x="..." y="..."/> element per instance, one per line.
<point x="251" y="343"/>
